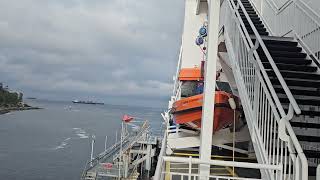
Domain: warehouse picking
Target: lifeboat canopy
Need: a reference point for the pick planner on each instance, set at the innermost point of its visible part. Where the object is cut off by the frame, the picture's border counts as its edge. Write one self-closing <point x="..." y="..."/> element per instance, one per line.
<point x="190" y="74"/>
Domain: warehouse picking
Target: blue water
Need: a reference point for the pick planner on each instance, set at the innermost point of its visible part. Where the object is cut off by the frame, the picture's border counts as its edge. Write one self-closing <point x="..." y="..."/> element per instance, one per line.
<point x="54" y="143"/>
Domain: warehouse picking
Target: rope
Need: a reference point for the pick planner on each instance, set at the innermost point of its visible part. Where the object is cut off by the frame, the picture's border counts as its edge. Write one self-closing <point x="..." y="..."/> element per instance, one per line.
<point x="233" y="139"/>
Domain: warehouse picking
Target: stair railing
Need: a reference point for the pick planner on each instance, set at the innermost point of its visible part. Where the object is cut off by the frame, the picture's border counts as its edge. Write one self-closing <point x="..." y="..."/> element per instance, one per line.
<point x="272" y="135"/>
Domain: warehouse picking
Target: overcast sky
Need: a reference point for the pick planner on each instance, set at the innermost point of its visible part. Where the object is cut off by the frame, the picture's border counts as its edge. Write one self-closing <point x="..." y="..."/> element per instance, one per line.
<point x="117" y="51"/>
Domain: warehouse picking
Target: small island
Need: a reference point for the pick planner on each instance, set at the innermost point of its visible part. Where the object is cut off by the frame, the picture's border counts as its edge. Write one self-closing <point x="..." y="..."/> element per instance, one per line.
<point x="12" y="101"/>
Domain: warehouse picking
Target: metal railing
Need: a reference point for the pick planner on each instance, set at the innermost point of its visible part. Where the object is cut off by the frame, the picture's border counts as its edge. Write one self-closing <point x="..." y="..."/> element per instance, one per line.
<point x="192" y="166"/>
<point x="114" y="150"/>
<point x="294" y="17"/>
<point x="273" y="138"/>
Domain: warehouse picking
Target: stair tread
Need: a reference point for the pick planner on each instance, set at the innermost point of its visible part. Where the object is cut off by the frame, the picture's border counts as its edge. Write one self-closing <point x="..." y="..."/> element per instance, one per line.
<point x="300" y="92"/>
<point x="259" y="29"/>
<point x="280" y="47"/>
<point x="296" y="75"/>
<point x="256" y="25"/>
<point x="291" y="67"/>
<point x="286" y="60"/>
<point x="251" y="15"/>
<point x="251" y="10"/>
<point x="288" y="54"/>
<point x="305" y="125"/>
<point x="260" y="32"/>
<point x="279" y="42"/>
<point x="308" y="138"/>
<point x="311" y="102"/>
<point x="298" y="83"/>
<point x="253" y="20"/>
<point x="312" y="153"/>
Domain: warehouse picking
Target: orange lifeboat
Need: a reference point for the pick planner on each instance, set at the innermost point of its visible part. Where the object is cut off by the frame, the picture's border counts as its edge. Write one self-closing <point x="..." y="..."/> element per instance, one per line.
<point x="188" y="111"/>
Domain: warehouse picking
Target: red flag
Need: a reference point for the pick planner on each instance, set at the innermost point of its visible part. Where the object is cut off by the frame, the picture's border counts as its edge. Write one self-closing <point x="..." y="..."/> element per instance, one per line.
<point x="107" y="165"/>
<point x="127" y="118"/>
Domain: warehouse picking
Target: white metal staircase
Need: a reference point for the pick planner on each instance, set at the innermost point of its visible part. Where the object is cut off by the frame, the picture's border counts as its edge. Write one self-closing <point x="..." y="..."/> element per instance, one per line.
<point x="278" y="79"/>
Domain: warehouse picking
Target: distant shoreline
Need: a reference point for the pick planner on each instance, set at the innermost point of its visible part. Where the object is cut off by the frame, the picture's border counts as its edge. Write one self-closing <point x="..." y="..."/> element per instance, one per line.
<point x="7" y="110"/>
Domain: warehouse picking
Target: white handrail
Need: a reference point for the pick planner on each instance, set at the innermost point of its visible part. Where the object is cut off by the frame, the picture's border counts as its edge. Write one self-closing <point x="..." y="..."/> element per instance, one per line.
<point x="222" y="163"/>
<point x="159" y="168"/>
<point x="271" y="61"/>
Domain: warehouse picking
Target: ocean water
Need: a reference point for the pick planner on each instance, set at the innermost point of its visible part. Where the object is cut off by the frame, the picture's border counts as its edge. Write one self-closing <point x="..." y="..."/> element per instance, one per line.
<point x="54" y="143"/>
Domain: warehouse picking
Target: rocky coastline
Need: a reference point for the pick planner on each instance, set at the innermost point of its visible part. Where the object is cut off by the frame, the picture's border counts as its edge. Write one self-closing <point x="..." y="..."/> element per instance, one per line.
<point x="4" y="110"/>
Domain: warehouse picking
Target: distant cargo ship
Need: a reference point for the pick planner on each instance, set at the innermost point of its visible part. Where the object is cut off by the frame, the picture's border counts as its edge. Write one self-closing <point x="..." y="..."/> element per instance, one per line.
<point x="31" y="98"/>
<point x="87" y="102"/>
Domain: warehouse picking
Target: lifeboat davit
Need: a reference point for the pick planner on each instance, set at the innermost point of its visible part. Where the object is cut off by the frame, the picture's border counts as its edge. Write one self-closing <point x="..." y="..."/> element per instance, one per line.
<point x="188" y="111"/>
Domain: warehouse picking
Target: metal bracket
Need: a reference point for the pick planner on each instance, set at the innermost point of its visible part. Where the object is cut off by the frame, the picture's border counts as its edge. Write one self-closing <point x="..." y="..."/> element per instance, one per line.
<point x="282" y="125"/>
<point x="250" y="54"/>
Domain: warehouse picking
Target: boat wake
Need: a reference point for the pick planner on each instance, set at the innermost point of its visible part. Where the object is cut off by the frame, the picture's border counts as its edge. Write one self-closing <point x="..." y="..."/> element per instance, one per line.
<point x="82" y="134"/>
<point x="63" y="144"/>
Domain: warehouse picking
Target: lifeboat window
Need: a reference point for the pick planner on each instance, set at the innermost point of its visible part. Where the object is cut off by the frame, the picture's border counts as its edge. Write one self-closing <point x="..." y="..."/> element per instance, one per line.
<point x="191" y="88"/>
<point x="224" y="86"/>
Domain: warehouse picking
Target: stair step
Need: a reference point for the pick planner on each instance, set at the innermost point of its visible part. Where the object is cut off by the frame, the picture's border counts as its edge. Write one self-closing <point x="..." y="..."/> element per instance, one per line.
<point x="291" y="67"/>
<point x="249" y="11"/>
<point x="280" y="47"/>
<point x="259" y="29"/>
<point x="264" y="33"/>
<point x="311" y="102"/>
<point x="253" y="20"/>
<point x="255" y="25"/>
<point x="300" y="92"/>
<point x="247" y="6"/>
<point x="282" y="43"/>
<point x="298" y="83"/>
<point x="246" y="3"/>
<point x="250" y="15"/>
<point x="309" y="113"/>
<point x="312" y="153"/>
<point x="305" y="125"/>
<point x="303" y="83"/>
<point x="287" y="54"/>
<point x="296" y="75"/>
<point x="285" y="60"/>
<point x="308" y="138"/>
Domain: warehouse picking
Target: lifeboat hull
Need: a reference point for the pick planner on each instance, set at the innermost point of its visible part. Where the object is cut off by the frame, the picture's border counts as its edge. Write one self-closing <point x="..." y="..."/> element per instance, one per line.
<point x="188" y="111"/>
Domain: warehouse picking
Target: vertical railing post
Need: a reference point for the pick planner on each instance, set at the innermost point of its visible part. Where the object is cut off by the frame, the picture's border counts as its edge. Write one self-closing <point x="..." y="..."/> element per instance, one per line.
<point x="190" y="168"/>
<point x="209" y="88"/>
<point x="91" y="154"/>
<point x="318" y="173"/>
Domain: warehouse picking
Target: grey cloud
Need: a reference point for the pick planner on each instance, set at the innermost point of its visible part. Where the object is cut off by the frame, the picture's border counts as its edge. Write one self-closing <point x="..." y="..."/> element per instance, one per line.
<point x="113" y="50"/>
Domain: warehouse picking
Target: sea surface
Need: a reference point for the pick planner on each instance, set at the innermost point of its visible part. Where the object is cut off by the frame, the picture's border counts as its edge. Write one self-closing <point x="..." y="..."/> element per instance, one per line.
<point x="54" y="143"/>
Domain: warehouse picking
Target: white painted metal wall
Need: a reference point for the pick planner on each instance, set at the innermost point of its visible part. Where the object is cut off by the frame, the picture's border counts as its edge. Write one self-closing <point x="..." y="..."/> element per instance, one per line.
<point x="191" y="55"/>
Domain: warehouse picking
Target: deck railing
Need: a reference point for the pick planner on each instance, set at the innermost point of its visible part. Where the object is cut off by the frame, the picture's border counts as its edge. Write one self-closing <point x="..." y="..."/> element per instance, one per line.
<point x="191" y="168"/>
